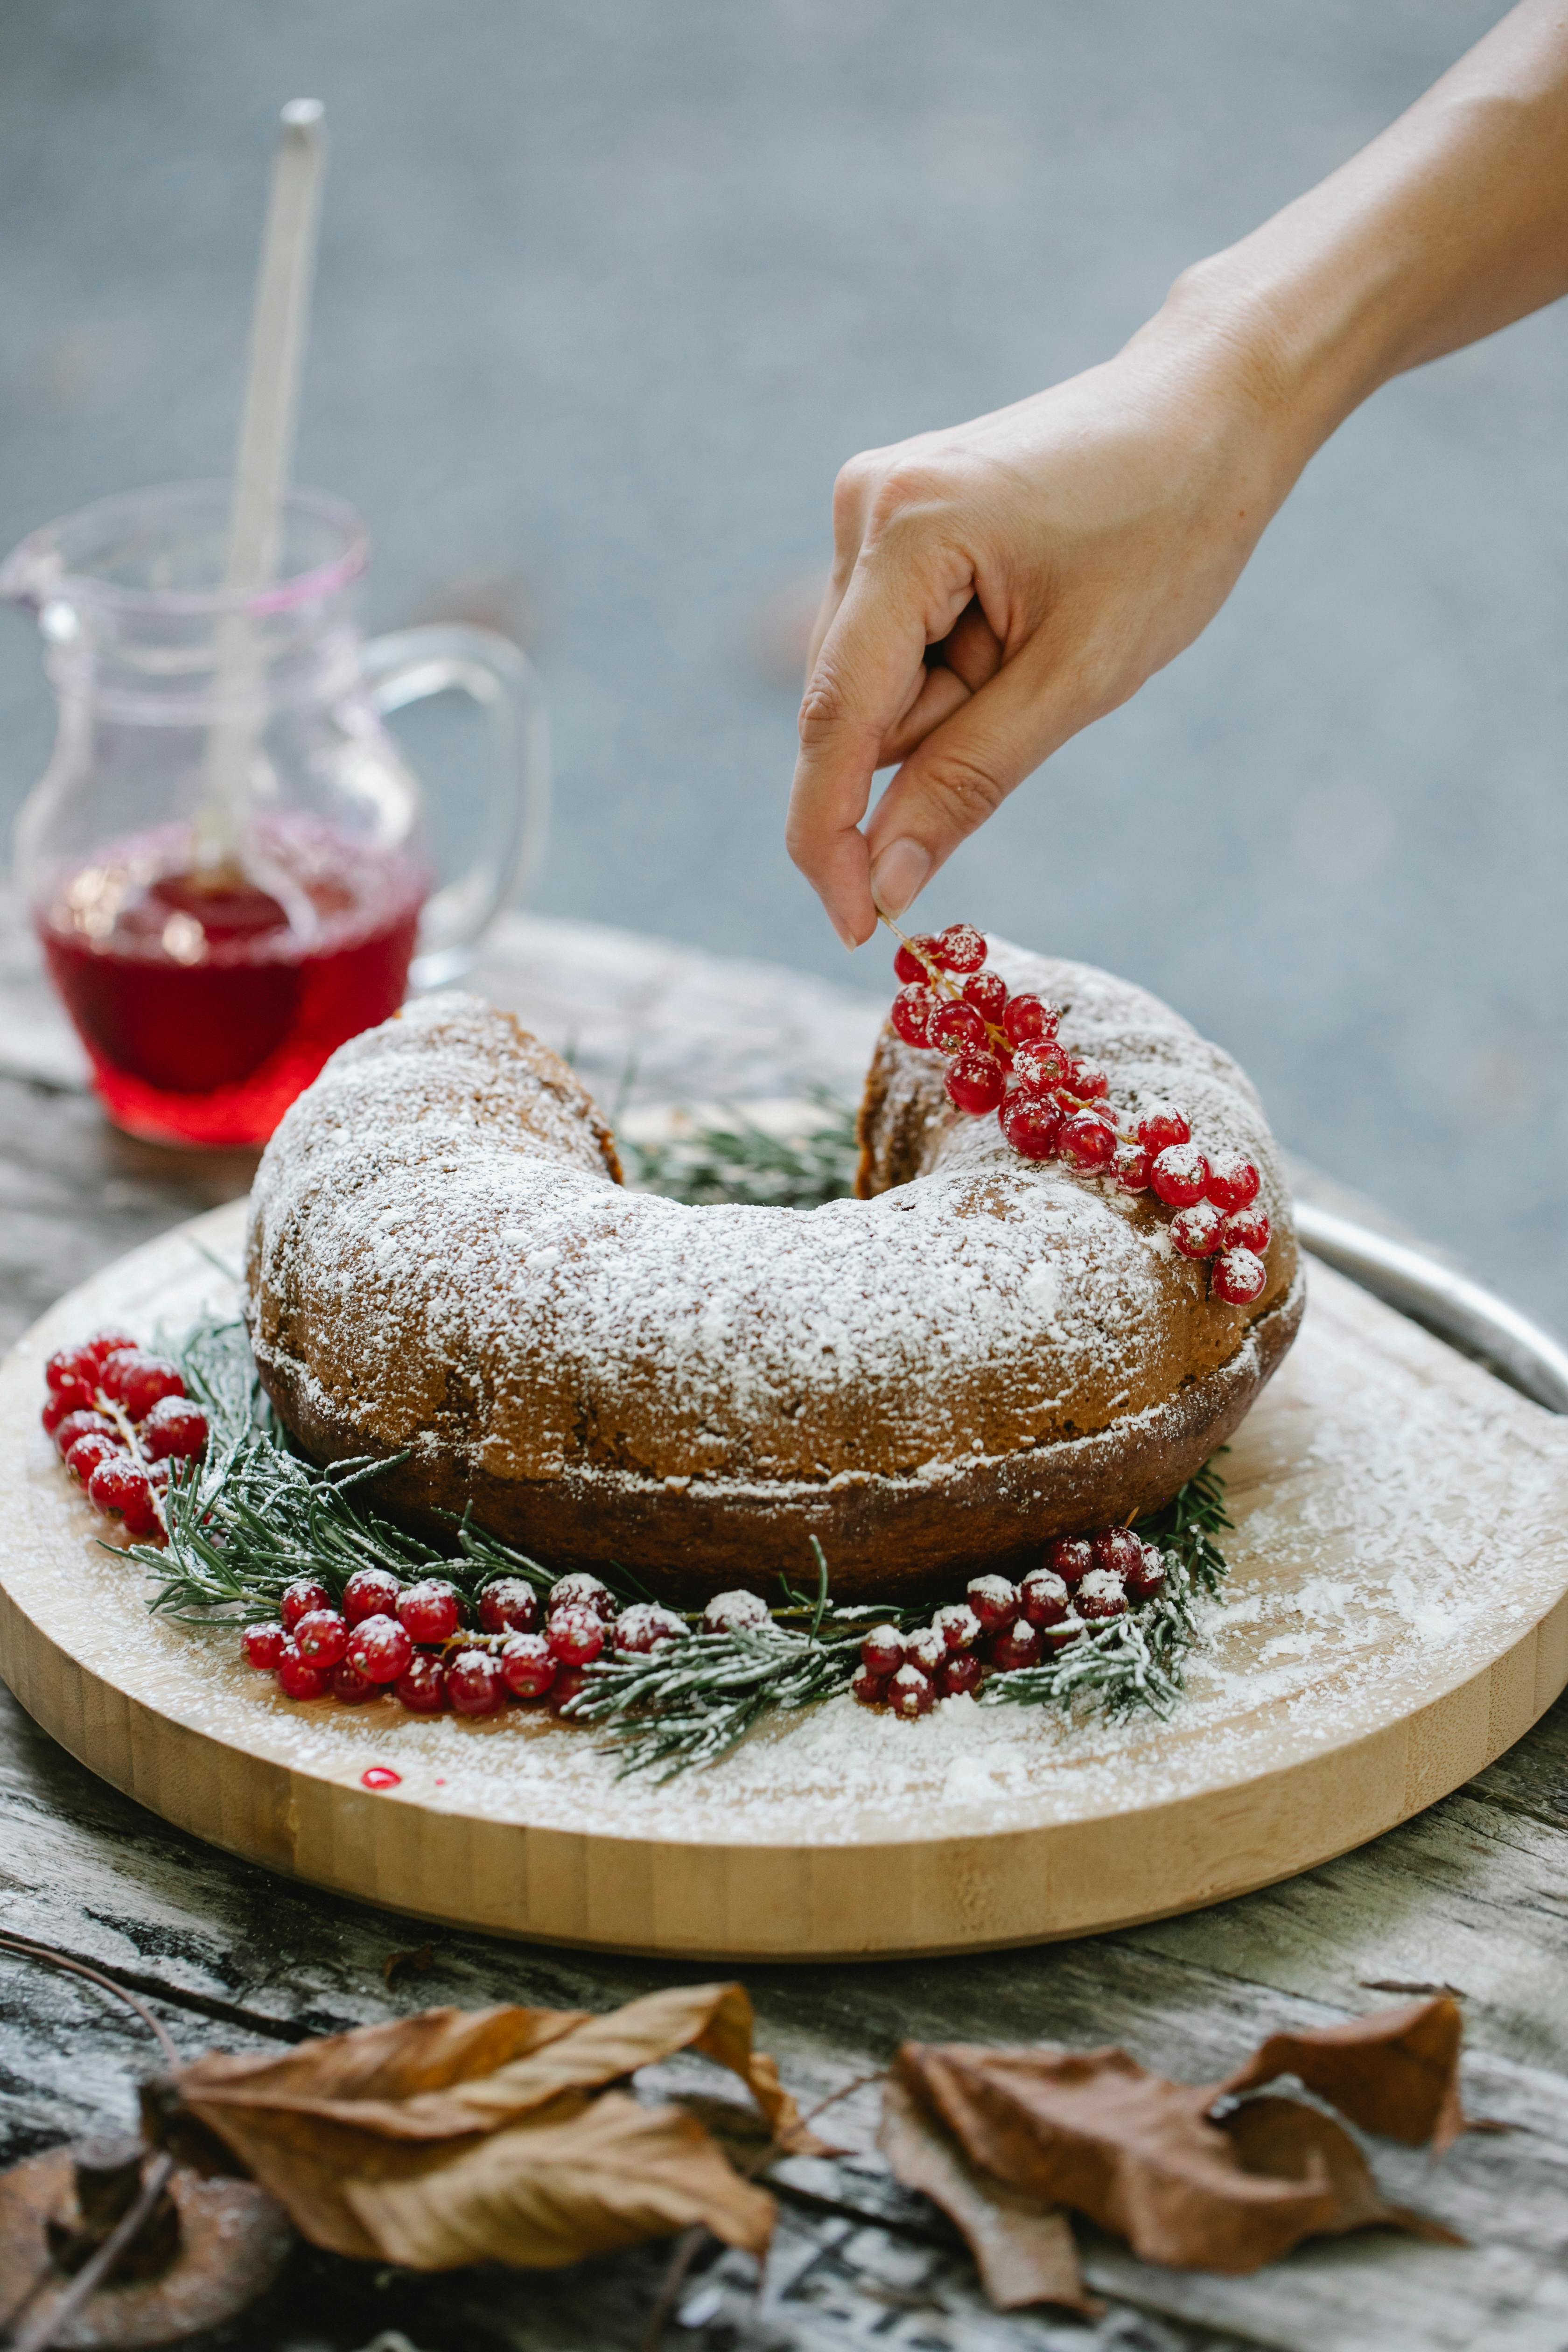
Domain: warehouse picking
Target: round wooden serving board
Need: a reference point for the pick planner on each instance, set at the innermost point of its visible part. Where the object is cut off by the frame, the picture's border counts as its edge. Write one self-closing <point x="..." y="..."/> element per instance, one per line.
<point x="1397" y="1615"/>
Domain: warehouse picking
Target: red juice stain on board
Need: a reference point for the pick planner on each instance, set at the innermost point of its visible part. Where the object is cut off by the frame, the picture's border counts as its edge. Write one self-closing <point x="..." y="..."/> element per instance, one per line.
<point x="380" y="1775"/>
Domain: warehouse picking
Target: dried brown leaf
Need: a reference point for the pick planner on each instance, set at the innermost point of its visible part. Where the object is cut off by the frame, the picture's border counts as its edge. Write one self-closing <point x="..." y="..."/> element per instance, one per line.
<point x="1396" y="2072"/>
<point x="1288" y="2140"/>
<point x="1024" y="2251"/>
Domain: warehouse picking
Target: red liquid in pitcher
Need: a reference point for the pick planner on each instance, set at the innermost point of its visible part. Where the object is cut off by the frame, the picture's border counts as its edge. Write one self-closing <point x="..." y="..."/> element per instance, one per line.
<point x="207" y="1002"/>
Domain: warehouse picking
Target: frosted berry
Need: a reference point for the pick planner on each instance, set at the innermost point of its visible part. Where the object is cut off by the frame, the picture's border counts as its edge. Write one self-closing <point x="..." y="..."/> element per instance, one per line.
<point x="911" y="1692"/>
<point x="1031" y="1125"/>
<point x="1061" y="1637"/>
<point x="737" y="1612"/>
<point x="106" y="1343"/>
<point x="263" y="1646"/>
<point x="349" y="1684"/>
<point x="640" y="1630"/>
<point x="1018" y="1647"/>
<point x="994" y="1600"/>
<point x="1088" y="1140"/>
<point x="1118" y="1550"/>
<point x="422" y="1689"/>
<point x="508" y="1605"/>
<point x="926" y="1650"/>
<point x="910" y="1015"/>
<point x="474" y="1683"/>
<point x="158" y="1476"/>
<point x="70" y="1368"/>
<point x="120" y="1484"/>
<point x="1149" y="1577"/>
<point x="305" y="1592"/>
<point x="370" y="1593"/>
<point x="581" y="1590"/>
<point x="868" y="1689"/>
<point x="1131" y="1167"/>
<point x="64" y="1404"/>
<point x="1161" y="1126"/>
<point x="1070" y="1557"/>
<point x="569" y="1680"/>
<point x="1179" y="1174"/>
<point x="987" y="991"/>
<point x="575" y="1636"/>
<point x="529" y="1666"/>
<point x="380" y="1649"/>
<point x="1088" y="1080"/>
<point x="176" y="1429"/>
<point x="1041" y="1065"/>
<point x="1026" y="1017"/>
<point x="137" y="1382"/>
<point x="882" y="1650"/>
<point x="960" y="1675"/>
<point x="322" y="1637"/>
<point x="1196" y="1231"/>
<point x="82" y="1423"/>
<point x="958" y="1029"/>
<point x="1246" y="1229"/>
<point x="975" y="1083"/>
<point x="958" y="1626"/>
<point x="1101" y="1595"/>
<point x="961" y="948"/>
<point x="915" y="956"/>
<point x="1238" y="1277"/>
<point x="1232" y="1182"/>
<point x="297" y="1678"/>
<point x="89" y="1450"/>
<point x="1044" y="1598"/>
<point x="431" y="1611"/>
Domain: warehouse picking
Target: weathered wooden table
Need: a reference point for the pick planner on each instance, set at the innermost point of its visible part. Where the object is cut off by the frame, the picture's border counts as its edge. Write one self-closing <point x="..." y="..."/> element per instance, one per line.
<point x="1473" y="1894"/>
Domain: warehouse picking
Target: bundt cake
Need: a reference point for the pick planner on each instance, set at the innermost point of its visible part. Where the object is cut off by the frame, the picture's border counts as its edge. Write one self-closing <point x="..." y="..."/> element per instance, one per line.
<point x="977" y="1353"/>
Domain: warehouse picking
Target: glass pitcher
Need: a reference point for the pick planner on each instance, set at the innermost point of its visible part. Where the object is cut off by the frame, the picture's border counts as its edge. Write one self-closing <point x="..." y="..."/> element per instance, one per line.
<point x="226" y="860"/>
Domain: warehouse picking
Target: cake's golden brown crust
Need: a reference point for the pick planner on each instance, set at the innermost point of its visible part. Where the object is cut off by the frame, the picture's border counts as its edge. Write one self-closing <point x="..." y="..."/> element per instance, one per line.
<point x="977" y="1355"/>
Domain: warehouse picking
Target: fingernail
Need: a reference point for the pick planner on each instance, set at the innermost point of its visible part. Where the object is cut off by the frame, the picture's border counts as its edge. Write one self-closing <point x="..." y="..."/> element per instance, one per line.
<point x="898" y="876"/>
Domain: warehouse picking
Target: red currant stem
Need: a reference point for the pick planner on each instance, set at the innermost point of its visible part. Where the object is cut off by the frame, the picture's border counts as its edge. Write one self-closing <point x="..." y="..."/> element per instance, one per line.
<point x="127" y="1428"/>
<point x="944" y="980"/>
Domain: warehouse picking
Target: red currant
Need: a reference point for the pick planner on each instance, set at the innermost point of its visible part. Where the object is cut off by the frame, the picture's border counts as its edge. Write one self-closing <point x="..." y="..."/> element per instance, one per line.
<point x="882" y="1651"/>
<point x="1088" y="1140"/>
<point x="297" y="1678"/>
<point x="1040" y="1065"/>
<point x="912" y="1014"/>
<point x="869" y="1689"/>
<point x="1118" y="1550"/>
<point x="139" y="1381"/>
<point x="1027" y="1018"/>
<point x="925" y="1649"/>
<point x="1018" y="1647"/>
<point x="987" y="991"/>
<point x="1101" y="1595"/>
<point x="1149" y="1577"/>
<point x="994" y="1600"/>
<point x="1179" y="1174"/>
<point x="89" y="1450"/>
<point x="737" y="1612"/>
<point x="1131" y="1167"/>
<point x="176" y="1429"/>
<point x="305" y="1592"/>
<point x="569" y="1680"/>
<point x="104" y="1344"/>
<point x="1196" y="1231"/>
<point x="322" y="1637"/>
<point x="1161" y="1126"/>
<point x="70" y="1365"/>
<point x="958" y="1626"/>
<point x="958" y="1029"/>
<point x="1088" y="1080"/>
<point x="120" y="1484"/>
<point x="379" y="1648"/>
<point x="370" y="1593"/>
<point x="431" y="1611"/>
<point x="1246" y="1229"/>
<point x="960" y="1675"/>
<point x="575" y="1636"/>
<point x="961" y="948"/>
<point x="475" y="1684"/>
<point x="1233" y="1181"/>
<point x="1031" y="1125"/>
<point x="1070" y="1557"/>
<point x="529" y="1666"/>
<point x="581" y="1590"/>
<point x="640" y="1630"/>
<point x="975" y="1083"/>
<point x="1044" y="1597"/>
<point x="350" y="1686"/>
<point x="263" y="1646"/>
<point x="911" y="1692"/>
<point x="423" y="1689"/>
<point x="508" y="1604"/>
<point x="915" y="957"/>
<point x="83" y="1423"/>
<point x="70" y="1400"/>
<point x="1238" y="1277"/>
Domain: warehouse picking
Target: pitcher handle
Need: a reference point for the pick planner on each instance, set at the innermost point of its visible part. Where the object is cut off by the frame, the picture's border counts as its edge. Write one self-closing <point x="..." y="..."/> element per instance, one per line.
<point x="410" y="666"/>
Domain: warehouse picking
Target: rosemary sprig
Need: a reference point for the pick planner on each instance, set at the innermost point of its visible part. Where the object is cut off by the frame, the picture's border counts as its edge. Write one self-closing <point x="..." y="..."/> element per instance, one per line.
<point x="740" y="1163"/>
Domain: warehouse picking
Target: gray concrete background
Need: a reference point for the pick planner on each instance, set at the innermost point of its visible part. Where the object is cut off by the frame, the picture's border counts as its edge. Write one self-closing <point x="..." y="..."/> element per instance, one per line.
<point x="608" y="291"/>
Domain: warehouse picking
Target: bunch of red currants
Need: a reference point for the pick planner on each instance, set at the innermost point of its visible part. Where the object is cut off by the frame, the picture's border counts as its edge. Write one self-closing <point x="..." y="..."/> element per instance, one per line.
<point x="122" y="1421"/>
<point x="1005" y="1054"/>
<point x="1000" y="1627"/>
